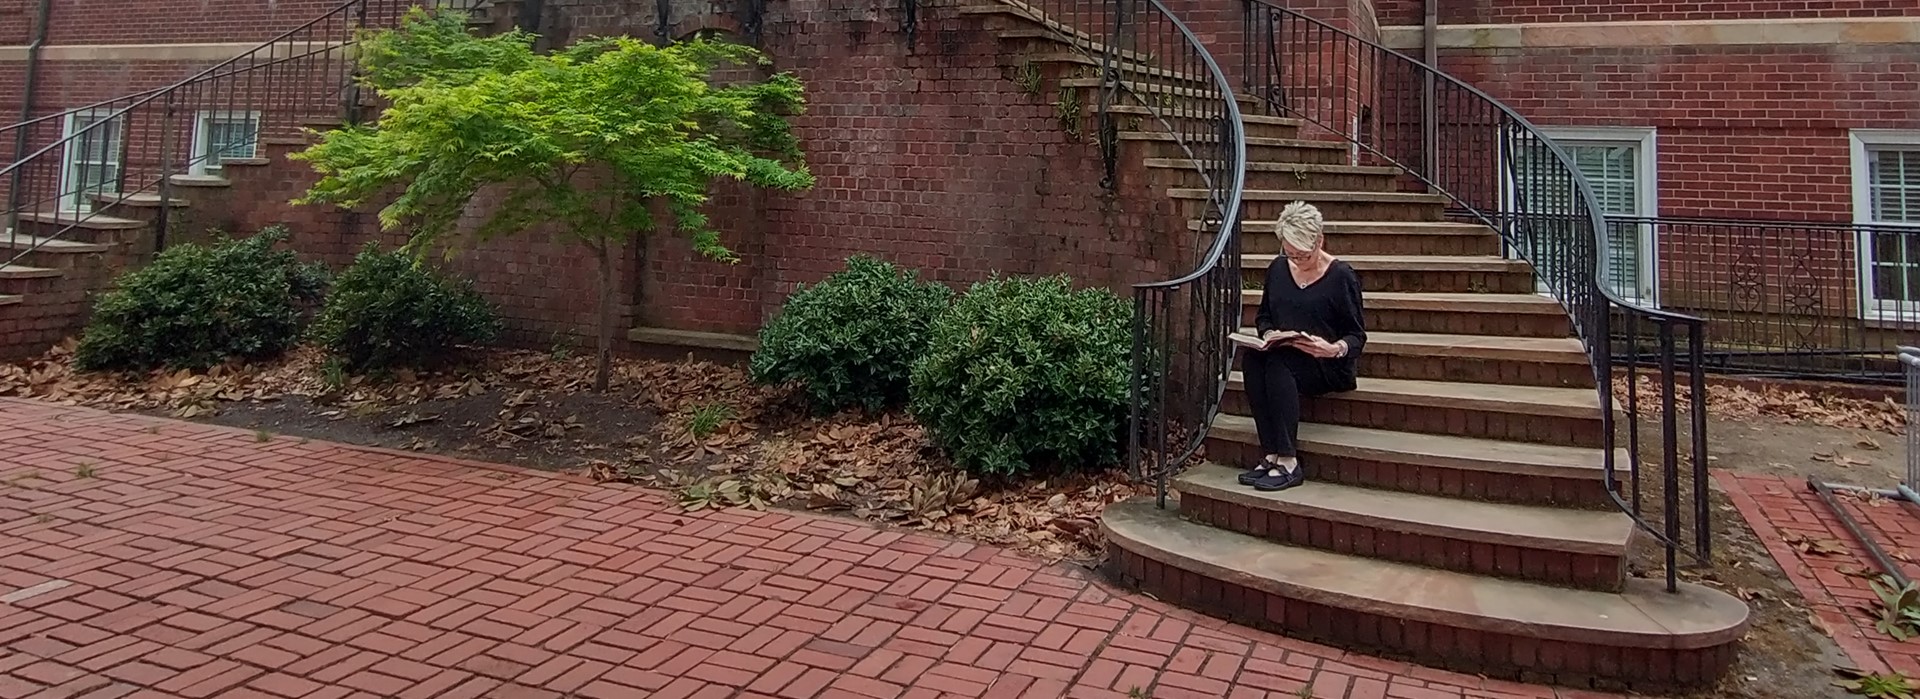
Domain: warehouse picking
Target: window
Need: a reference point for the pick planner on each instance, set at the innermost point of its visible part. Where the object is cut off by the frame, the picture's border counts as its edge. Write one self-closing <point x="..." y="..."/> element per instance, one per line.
<point x="1886" y="196"/>
<point x="1621" y="166"/>
<point x="221" y="136"/>
<point x="92" y="158"/>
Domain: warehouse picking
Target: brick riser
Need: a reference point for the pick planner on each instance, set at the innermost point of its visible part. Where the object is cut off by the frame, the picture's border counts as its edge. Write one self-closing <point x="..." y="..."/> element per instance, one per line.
<point x="1265" y="210"/>
<point x="1316" y="181"/>
<point x="1259" y="241"/>
<point x="1428" y="280"/>
<point x="1470" y="651"/>
<point x="1340" y="409"/>
<point x="1585" y="493"/>
<point x="1467" y="323"/>
<point x="1586" y="571"/>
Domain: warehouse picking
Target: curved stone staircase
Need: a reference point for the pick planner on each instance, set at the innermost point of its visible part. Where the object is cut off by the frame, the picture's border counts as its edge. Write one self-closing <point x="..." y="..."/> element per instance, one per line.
<point x="1456" y="514"/>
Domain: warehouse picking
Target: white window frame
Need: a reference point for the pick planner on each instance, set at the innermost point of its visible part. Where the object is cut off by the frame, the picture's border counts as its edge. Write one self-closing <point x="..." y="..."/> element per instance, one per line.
<point x="202" y="133"/>
<point x="70" y="198"/>
<point x="1645" y="141"/>
<point x="1860" y="141"/>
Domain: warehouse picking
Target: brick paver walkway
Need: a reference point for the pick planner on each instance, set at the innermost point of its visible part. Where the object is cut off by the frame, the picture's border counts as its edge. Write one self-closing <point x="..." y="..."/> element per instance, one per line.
<point x="145" y="557"/>
<point x="1777" y="508"/>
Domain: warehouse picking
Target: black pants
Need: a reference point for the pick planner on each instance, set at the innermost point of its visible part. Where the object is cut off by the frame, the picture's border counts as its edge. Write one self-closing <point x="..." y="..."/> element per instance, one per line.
<point x="1275" y="381"/>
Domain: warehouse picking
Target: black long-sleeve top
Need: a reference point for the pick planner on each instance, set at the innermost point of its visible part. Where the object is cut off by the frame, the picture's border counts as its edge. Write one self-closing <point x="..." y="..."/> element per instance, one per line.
<point x="1329" y="309"/>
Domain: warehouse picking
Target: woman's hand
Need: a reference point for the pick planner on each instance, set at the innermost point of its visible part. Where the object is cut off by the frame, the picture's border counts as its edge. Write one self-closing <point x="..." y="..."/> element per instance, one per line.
<point x="1316" y="347"/>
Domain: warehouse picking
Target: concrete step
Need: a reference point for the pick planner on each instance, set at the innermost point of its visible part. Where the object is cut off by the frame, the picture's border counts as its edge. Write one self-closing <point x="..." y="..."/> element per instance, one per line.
<point x="1578" y="548"/>
<point x="1534" y="414"/>
<point x="84" y="221"/>
<point x="1266" y="204"/>
<point x="1137" y="117"/>
<point x="10" y="299"/>
<point x="1513" y="315"/>
<point x="1432" y="464"/>
<point x="206" y="181"/>
<point x="1420" y="273"/>
<point x="140" y="200"/>
<point x="1383" y="238"/>
<point x="14" y="271"/>
<point x="1290" y="150"/>
<point x="1154" y="91"/>
<point x="1026" y="15"/>
<point x="54" y="246"/>
<point x="1080" y="41"/>
<point x="1518" y="361"/>
<point x="1308" y="176"/>
<point x="1125" y="68"/>
<point x="1643" y="637"/>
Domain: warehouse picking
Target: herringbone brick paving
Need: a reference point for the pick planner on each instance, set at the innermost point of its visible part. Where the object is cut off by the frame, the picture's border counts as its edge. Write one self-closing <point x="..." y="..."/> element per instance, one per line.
<point x="153" y="558"/>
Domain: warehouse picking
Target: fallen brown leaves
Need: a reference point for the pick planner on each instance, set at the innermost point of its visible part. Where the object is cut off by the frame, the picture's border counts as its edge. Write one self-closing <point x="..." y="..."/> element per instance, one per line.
<point x="1737" y="402"/>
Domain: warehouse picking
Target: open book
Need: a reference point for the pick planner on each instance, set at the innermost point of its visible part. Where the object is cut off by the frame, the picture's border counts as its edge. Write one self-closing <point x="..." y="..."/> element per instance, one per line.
<point x="1282" y="338"/>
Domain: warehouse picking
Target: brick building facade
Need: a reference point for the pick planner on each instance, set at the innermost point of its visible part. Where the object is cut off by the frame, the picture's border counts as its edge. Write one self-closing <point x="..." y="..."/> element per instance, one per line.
<point x="927" y="152"/>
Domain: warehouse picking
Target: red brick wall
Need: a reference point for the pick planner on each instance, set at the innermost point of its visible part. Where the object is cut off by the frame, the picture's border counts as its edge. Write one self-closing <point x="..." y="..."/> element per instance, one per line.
<point x="1406" y="12"/>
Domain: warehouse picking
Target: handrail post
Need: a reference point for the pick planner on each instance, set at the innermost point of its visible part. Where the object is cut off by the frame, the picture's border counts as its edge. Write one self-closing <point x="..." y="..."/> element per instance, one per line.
<point x="166" y="174"/>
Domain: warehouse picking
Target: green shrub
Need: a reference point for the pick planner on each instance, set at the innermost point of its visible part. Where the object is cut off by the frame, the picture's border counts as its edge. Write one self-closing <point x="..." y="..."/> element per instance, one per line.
<point x="195" y="306"/>
<point x="852" y="339"/>
<point x="1026" y="373"/>
<point x="390" y="310"/>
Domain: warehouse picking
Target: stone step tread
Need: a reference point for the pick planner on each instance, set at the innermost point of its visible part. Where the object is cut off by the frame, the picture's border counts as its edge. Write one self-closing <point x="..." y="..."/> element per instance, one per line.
<point x="1442" y="263"/>
<point x="1644" y="615"/>
<point x="1244" y="118"/>
<point x="1436" y="228"/>
<point x="51" y="245"/>
<point x="10" y="299"/>
<point x="1046" y="34"/>
<point x="1533" y="400"/>
<point x="12" y="271"/>
<point x="1023" y="11"/>
<point x="1591" y="532"/>
<point x="1144" y="87"/>
<point x="200" y="181"/>
<point x="1323" y="168"/>
<point x="1465" y="302"/>
<point x="1559" y="350"/>
<point x="1125" y="66"/>
<point x="1251" y="140"/>
<point x="138" y="199"/>
<point x="1437" y="450"/>
<point x="1315" y="195"/>
<point x="79" y="220"/>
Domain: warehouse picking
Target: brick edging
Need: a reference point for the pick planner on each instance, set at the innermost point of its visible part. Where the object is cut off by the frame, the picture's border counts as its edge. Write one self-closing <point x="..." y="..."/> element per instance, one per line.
<point x="1856" y="649"/>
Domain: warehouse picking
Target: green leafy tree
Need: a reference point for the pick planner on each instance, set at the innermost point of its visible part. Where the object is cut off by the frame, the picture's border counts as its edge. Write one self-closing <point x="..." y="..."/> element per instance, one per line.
<point x="588" y="138"/>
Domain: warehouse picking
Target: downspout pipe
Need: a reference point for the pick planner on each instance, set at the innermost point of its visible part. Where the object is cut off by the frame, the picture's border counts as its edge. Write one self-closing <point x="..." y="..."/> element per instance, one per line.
<point x="1430" y="52"/>
<point x="28" y="86"/>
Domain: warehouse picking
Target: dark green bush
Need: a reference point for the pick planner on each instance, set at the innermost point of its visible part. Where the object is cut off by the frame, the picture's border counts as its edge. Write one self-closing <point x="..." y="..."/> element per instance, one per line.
<point x="852" y="339"/>
<point x="198" y="305"/>
<point x="1027" y="373"/>
<point x="390" y="310"/>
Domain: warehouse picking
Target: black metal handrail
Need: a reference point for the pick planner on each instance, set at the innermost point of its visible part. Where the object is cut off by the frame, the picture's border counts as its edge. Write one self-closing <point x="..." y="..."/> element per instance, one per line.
<point x="1822" y="300"/>
<point x="137" y="144"/>
<point x="1501" y="171"/>
<point x="1152" y="66"/>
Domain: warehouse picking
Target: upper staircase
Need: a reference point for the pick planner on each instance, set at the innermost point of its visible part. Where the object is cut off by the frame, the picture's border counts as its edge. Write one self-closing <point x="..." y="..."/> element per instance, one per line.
<point x="1467" y="505"/>
<point x="100" y="188"/>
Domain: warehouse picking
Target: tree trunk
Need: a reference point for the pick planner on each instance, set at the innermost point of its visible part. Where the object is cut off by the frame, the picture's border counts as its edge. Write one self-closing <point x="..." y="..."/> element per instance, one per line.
<point x="603" y="349"/>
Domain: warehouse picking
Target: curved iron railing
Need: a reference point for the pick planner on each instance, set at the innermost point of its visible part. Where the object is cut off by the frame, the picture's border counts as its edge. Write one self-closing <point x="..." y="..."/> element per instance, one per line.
<point x="137" y="145"/>
<point x="1152" y="67"/>
<point x="1501" y="171"/>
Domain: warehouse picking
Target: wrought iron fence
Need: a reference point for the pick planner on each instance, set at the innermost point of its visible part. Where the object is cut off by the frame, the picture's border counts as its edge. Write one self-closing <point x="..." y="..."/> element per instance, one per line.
<point x="1500" y="171"/>
<point x="137" y="146"/>
<point x="1812" y="300"/>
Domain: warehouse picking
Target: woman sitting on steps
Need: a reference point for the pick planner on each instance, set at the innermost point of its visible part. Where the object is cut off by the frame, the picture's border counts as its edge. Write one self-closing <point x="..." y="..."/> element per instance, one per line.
<point x="1318" y="296"/>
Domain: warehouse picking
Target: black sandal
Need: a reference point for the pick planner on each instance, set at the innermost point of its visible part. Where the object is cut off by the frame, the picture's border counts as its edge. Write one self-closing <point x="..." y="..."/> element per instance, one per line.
<point x="1269" y="483"/>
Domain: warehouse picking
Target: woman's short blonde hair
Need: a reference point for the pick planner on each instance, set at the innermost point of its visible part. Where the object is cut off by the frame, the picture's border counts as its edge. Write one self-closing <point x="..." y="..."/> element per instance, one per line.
<point x="1300" y="225"/>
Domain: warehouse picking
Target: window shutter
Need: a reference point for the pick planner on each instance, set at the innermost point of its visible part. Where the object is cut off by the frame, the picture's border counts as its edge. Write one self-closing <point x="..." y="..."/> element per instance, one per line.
<point x="1893" y="182"/>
